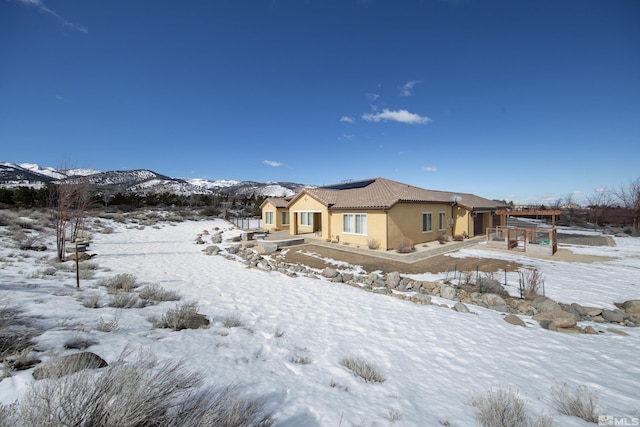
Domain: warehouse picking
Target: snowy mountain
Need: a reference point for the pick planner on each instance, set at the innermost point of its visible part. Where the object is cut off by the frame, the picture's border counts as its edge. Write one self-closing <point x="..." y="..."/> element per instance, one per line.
<point x="139" y="181"/>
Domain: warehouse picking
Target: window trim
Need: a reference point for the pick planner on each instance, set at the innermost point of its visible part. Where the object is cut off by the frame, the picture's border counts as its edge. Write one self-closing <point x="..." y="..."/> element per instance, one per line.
<point x="353" y="223"/>
<point x="427" y="227"/>
<point x="442" y="221"/>
<point x="269" y="215"/>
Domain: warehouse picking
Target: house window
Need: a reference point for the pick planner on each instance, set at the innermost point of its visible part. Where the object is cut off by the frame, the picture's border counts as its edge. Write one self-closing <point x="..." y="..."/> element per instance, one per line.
<point x="285" y="218"/>
<point x="268" y="218"/>
<point x="426" y="222"/>
<point x="441" y="221"/>
<point x="306" y="218"/>
<point x="354" y="223"/>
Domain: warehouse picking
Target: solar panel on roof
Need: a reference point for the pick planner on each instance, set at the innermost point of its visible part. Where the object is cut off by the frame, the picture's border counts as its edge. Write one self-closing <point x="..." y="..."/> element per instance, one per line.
<point x="349" y="185"/>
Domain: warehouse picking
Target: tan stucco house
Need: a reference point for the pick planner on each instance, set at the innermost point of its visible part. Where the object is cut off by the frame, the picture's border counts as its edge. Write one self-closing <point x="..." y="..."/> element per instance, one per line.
<point x="380" y="210"/>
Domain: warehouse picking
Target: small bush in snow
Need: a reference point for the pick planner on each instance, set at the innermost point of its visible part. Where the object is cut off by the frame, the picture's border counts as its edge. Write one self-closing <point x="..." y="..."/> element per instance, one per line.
<point x="91" y="301"/>
<point x="16" y="334"/>
<point x="232" y="320"/>
<point x="136" y="394"/>
<point x="184" y="316"/>
<point x="125" y="300"/>
<point x="157" y="293"/>
<point x="120" y="282"/>
<point x="505" y="408"/>
<point x="582" y="403"/>
<point x="532" y="280"/>
<point x="363" y="369"/>
<point x="110" y="326"/>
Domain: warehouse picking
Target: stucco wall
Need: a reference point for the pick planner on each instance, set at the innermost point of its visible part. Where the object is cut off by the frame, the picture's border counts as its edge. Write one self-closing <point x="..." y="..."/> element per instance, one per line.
<point x="405" y="220"/>
<point x="376" y="228"/>
<point x="277" y="217"/>
<point x="306" y="203"/>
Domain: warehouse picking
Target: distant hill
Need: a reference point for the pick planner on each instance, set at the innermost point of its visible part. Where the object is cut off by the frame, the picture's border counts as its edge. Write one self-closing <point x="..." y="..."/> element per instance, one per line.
<point x="140" y="181"/>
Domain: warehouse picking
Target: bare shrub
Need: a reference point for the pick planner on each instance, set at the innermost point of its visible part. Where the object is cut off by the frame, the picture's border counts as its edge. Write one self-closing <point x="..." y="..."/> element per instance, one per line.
<point x="125" y="300"/>
<point x="108" y="326"/>
<point x="120" y="282"/>
<point x="184" y="316"/>
<point x="16" y="333"/>
<point x="301" y="359"/>
<point x="404" y="245"/>
<point x="142" y="393"/>
<point x="107" y="230"/>
<point x="363" y="369"/>
<point x="232" y="320"/>
<point x="91" y="301"/>
<point x="373" y="243"/>
<point x="505" y="408"/>
<point x="581" y="403"/>
<point x="157" y="293"/>
<point x="532" y="280"/>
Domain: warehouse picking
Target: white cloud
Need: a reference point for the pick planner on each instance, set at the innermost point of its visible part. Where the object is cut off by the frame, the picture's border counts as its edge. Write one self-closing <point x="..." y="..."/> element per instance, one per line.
<point x="347" y="119"/>
<point x="43" y="8"/>
<point x="346" y="137"/>
<point x="429" y="169"/>
<point x="407" y="89"/>
<point x="402" y="116"/>
<point x="272" y="163"/>
<point x="372" y="96"/>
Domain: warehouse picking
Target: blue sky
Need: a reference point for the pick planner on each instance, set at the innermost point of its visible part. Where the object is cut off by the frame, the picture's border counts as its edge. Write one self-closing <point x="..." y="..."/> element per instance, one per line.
<point x="516" y="100"/>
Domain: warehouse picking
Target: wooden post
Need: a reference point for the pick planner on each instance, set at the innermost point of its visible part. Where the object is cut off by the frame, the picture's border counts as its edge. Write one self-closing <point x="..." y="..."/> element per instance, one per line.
<point x="77" y="267"/>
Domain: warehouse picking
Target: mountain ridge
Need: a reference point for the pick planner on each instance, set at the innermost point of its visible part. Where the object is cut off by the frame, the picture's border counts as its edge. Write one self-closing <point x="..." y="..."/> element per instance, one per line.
<point x="140" y="181"/>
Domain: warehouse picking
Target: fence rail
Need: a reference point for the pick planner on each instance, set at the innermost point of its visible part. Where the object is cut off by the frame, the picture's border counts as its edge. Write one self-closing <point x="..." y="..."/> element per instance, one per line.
<point x="246" y="223"/>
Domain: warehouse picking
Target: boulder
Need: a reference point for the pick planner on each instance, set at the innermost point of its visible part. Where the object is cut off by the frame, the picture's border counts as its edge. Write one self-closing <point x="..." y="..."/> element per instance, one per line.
<point x="514" y="320"/>
<point x="590" y="330"/>
<point x="612" y="316"/>
<point x="421" y="299"/>
<point x="557" y="319"/>
<point x="493" y="302"/>
<point x="393" y="280"/>
<point x="586" y="311"/>
<point x="448" y="292"/>
<point x="632" y="306"/>
<point x="545" y="304"/>
<point x="570" y="309"/>
<point x="371" y="278"/>
<point x="67" y="365"/>
<point x="82" y="256"/>
<point x="461" y="308"/>
<point x="329" y="273"/>
<point x="617" y="332"/>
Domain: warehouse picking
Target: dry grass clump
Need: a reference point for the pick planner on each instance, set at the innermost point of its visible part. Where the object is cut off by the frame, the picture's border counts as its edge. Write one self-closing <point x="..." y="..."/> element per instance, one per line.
<point x="126" y="300"/>
<point x="232" y="320"/>
<point x="505" y="408"/>
<point x="184" y="316"/>
<point x="120" y="282"/>
<point x="16" y="338"/>
<point x="158" y="293"/>
<point x="582" y="403"/>
<point x="108" y="326"/>
<point x="363" y="369"/>
<point x="142" y="393"/>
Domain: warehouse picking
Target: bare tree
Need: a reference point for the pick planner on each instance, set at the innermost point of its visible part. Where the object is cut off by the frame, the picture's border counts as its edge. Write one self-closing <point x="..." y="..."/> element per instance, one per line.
<point x="597" y="203"/>
<point x="629" y="197"/>
<point x="72" y="200"/>
<point x="569" y="205"/>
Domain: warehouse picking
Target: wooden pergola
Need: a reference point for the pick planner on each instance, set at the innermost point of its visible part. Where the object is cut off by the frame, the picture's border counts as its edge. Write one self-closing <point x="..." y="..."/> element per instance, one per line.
<point x="528" y="212"/>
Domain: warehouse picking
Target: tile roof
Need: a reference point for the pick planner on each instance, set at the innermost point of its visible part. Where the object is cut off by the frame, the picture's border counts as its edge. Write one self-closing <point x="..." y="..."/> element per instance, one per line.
<point x="278" y="202"/>
<point x="382" y="193"/>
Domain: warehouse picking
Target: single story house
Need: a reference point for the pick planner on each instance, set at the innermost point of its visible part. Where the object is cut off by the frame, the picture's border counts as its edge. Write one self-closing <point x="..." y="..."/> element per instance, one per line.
<point x="379" y="211"/>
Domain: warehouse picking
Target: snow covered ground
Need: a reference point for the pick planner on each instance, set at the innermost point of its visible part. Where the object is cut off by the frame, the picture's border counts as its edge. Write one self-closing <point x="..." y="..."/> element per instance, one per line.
<point x="434" y="359"/>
